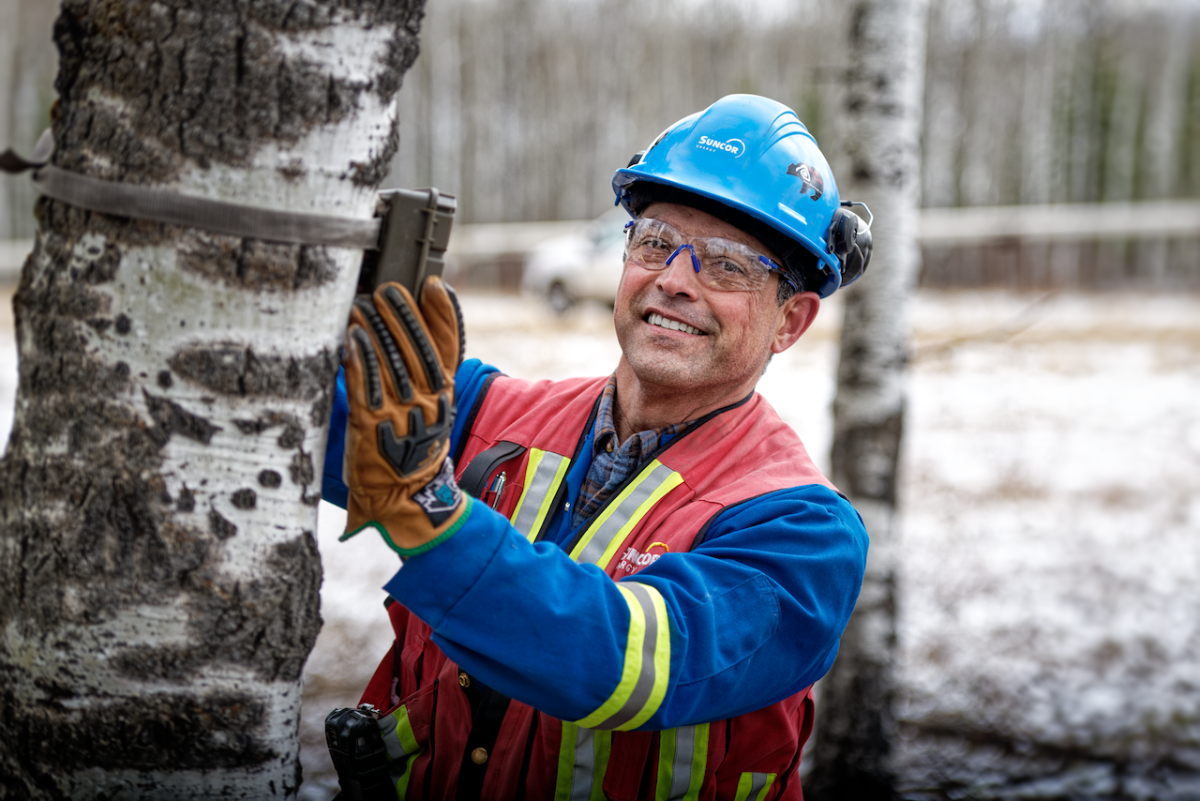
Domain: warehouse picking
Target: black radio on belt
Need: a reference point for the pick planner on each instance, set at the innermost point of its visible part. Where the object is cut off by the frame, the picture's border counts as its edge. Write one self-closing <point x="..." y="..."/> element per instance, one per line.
<point x="413" y="239"/>
<point x="359" y="755"/>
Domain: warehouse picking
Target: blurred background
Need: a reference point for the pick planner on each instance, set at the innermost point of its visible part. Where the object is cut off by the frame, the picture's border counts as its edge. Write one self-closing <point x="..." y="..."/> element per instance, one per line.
<point x="1050" y="520"/>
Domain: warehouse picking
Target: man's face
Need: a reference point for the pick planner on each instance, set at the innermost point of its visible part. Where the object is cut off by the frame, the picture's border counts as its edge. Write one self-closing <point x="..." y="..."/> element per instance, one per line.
<point x="726" y="337"/>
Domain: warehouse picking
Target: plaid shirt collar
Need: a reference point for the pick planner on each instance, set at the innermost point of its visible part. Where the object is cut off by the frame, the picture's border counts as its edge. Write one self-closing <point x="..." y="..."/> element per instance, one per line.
<point x="643" y="442"/>
<point x="613" y="463"/>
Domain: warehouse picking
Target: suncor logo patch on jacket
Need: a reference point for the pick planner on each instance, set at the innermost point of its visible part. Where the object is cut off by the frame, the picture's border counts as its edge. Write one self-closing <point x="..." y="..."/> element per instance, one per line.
<point x="634" y="560"/>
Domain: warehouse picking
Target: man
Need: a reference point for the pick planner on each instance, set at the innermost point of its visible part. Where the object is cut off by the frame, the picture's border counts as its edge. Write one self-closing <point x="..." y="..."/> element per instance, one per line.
<point x="645" y="573"/>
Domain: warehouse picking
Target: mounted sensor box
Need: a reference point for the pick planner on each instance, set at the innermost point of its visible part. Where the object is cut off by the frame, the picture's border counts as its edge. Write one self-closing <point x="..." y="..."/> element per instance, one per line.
<point x="413" y="239"/>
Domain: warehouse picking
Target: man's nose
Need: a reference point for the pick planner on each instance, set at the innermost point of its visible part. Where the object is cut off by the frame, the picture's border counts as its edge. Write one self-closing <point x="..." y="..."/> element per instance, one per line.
<point x="679" y="276"/>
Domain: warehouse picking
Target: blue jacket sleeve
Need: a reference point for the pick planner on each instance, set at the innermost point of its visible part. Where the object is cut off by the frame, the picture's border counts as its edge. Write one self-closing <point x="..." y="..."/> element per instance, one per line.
<point x="333" y="488"/>
<point x="468" y="382"/>
<point x="755" y="611"/>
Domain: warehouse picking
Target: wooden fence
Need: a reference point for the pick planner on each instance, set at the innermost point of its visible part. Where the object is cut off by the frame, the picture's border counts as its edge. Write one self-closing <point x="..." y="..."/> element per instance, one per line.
<point x="1153" y="246"/>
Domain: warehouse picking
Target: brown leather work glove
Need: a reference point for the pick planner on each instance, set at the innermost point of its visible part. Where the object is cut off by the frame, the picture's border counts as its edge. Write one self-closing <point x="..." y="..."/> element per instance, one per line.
<point x="400" y="369"/>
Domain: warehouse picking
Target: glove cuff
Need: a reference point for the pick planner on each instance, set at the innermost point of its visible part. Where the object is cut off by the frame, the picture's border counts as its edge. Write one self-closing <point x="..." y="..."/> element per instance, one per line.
<point x="455" y="522"/>
<point x="409" y="521"/>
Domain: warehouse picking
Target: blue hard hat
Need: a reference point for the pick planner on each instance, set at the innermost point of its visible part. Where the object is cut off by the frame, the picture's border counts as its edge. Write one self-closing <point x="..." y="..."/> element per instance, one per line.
<point x="750" y="161"/>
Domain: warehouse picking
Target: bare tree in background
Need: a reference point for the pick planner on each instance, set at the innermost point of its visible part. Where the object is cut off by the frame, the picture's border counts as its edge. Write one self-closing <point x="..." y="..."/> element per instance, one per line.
<point x="8" y="45"/>
<point x="158" y="496"/>
<point x="856" y="724"/>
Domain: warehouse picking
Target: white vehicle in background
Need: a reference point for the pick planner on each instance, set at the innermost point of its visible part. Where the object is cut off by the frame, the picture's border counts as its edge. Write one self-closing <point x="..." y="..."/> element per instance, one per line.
<point x="577" y="267"/>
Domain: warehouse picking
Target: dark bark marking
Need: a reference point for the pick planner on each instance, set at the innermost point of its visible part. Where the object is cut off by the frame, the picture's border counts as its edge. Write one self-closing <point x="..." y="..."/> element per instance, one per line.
<point x="209" y="87"/>
<point x="859" y="451"/>
<point x="268" y="624"/>
<point x="48" y="306"/>
<point x="186" y="502"/>
<point x="301" y="469"/>
<point x="152" y="732"/>
<point x="255" y="264"/>
<point x="316" y="268"/>
<point x="270" y="479"/>
<point x="164" y="379"/>
<point x="293" y="630"/>
<point x="102" y="264"/>
<point x="118" y="548"/>
<point x="123" y="324"/>
<point x="293" y="171"/>
<point x="245" y="498"/>
<point x="76" y="301"/>
<point x="220" y="528"/>
<point x="174" y="419"/>
<point x="864" y="363"/>
<point x="322" y="408"/>
<point x="291" y="437"/>
<point x="261" y="424"/>
<point x="238" y="370"/>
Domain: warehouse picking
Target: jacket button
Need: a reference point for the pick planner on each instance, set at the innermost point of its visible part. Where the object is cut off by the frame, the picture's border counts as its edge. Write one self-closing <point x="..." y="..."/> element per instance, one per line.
<point x="479" y="756"/>
<point x="464" y="680"/>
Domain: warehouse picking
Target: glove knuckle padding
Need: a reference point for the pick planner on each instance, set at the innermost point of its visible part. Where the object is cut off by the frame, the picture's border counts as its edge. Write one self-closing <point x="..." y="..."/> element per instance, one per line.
<point x="396" y="306"/>
<point x="443" y="317"/>
<point x="420" y="446"/>
<point x="387" y="348"/>
<point x="366" y="371"/>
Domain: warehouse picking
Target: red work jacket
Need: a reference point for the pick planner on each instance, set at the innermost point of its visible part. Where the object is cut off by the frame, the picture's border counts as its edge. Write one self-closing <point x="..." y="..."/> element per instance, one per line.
<point x="449" y="740"/>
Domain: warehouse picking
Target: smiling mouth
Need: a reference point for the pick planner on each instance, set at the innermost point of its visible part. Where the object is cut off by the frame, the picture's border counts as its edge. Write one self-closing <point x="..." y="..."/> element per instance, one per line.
<point x="672" y="325"/>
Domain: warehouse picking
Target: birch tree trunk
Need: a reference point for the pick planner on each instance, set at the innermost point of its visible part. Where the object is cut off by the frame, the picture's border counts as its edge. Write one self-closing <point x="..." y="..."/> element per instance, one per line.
<point x="158" y="496"/>
<point x="856" y="724"/>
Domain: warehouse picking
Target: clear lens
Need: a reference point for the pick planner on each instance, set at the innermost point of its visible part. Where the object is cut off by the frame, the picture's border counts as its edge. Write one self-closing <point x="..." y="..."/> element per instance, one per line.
<point x="723" y="264"/>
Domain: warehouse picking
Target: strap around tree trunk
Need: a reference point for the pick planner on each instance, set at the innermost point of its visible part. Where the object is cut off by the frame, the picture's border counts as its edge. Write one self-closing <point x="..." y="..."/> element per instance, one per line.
<point x="168" y="206"/>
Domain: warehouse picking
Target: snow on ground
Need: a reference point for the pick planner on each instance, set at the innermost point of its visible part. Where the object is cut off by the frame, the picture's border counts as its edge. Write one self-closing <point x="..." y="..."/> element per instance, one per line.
<point x="1050" y="644"/>
<point x="1048" y="618"/>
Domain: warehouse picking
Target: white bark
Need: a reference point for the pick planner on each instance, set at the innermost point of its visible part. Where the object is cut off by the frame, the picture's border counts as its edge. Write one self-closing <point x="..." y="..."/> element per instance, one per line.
<point x="233" y="375"/>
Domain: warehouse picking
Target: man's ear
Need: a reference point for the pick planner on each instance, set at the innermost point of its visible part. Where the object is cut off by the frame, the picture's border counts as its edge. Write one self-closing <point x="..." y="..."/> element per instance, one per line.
<point x="797" y="314"/>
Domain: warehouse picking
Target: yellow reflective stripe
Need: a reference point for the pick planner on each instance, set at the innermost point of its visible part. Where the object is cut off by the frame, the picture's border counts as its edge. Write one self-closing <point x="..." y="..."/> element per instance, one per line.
<point x="682" y="758"/>
<point x="604" y="537"/>
<point x="582" y="760"/>
<point x="397" y="734"/>
<point x="543" y="475"/>
<point x="666" y="764"/>
<point x="754" y="784"/>
<point x="643" y="683"/>
<point x="566" y="762"/>
<point x="402" y="782"/>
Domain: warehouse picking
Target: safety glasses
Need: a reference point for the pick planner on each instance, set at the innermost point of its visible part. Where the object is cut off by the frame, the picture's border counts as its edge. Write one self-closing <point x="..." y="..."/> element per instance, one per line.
<point x="722" y="264"/>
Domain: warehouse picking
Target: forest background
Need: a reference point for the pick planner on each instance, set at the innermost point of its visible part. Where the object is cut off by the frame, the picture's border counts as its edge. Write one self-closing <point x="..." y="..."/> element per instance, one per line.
<point x="523" y="108"/>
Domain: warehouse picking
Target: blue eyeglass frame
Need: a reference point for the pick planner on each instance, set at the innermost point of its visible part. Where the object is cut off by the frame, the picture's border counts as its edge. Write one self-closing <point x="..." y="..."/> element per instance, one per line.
<point x="772" y="266"/>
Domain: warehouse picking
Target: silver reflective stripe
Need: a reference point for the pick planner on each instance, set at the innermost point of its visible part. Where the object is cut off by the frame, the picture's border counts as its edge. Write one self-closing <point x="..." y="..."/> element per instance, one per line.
<point x="681" y="764"/>
<point x="611" y="526"/>
<point x="537" y="493"/>
<point x="758" y="781"/>
<point x="640" y="693"/>
<point x="585" y="764"/>
<point x="387" y="727"/>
